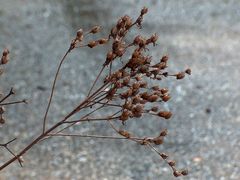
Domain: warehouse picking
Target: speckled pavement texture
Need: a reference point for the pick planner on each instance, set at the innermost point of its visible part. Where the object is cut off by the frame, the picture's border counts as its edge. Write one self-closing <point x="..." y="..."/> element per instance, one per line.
<point x="204" y="133"/>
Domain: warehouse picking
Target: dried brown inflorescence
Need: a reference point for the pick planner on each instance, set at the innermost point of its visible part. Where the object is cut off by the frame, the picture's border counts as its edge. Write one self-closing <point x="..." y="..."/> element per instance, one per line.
<point x="124" y="88"/>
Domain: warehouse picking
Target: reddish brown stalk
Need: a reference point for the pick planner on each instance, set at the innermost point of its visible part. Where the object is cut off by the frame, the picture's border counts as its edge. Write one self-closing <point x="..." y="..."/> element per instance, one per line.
<point x="53" y="88"/>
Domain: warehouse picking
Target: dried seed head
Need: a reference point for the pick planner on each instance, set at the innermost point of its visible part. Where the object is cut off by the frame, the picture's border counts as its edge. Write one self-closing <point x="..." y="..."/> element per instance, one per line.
<point x="124" y="133"/>
<point x="188" y="71"/>
<point x="79" y="36"/>
<point x="164" y="132"/>
<point x="92" y="44"/>
<point x="126" y="81"/>
<point x="95" y="29"/>
<point x="165" y="114"/>
<point x="154" y="109"/>
<point x="158" y="140"/>
<point x="155" y="88"/>
<point x="5" y="52"/>
<point x="5" y="56"/>
<point x="102" y="41"/>
<point x="166" y="97"/>
<point x="125" y="115"/>
<point x="110" y="57"/>
<point x="143" y="84"/>
<point x="2" y="120"/>
<point x="164" y="156"/>
<point x="114" y="32"/>
<point x="136" y="99"/>
<point x="164" y="58"/>
<point x="144" y="11"/>
<point x="171" y="163"/>
<point x="2" y="110"/>
<point x="153" y="39"/>
<point x="184" y="172"/>
<point x="180" y="75"/>
<point x="176" y="173"/>
<point x="164" y="90"/>
<point x="152" y="98"/>
<point x="128" y="105"/>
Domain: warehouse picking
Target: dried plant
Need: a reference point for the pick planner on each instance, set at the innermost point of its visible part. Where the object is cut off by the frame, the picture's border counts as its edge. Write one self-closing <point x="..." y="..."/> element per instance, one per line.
<point x="122" y="85"/>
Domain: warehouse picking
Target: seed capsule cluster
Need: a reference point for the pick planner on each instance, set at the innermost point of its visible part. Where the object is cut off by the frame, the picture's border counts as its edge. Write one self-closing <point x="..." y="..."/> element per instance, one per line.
<point x="129" y="86"/>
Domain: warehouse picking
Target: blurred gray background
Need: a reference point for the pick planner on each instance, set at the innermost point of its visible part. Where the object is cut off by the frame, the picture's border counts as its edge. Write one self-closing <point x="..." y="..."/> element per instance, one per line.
<point x="204" y="133"/>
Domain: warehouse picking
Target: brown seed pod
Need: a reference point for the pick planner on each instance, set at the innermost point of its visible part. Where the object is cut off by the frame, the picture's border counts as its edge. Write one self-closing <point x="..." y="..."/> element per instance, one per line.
<point x="163" y="133"/>
<point x="184" y="172"/>
<point x="144" y="11"/>
<point x="188" y="71"/>
<point x="164" y="156"/>
<point x="154" y="109"/>
<point x="180" y="75"/>
<point x="124" y="133"/>
<point x="2" y="110"/>
<point x="102" y="41"/>
<point x="171" y="163"/>
<point x="166" y="97"/>
<point x="164" y="59"/>
<point x="158" y="140"/>
<point x="153" y="98"/>
<point x="176" y="173"/>
<point x="92" y="44"/>
<point x="125" y="115"/>
<point x="2" y="120"/>
<point x="165" y="114"/>
<point x="79" y="36"/>
<point x="164" y="90"/>
<point x="95" y="29"/>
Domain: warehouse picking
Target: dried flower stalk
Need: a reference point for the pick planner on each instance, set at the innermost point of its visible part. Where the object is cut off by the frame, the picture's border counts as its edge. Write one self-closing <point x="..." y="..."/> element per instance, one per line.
<point x="125" y="89"/>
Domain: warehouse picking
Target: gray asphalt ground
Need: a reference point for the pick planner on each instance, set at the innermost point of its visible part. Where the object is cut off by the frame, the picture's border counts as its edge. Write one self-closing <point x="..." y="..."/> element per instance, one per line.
<point x="204" y="133"/>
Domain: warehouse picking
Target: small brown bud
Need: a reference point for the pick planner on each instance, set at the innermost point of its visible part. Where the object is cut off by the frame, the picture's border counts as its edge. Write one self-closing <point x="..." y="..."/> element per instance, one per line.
<point x="176" y="173"/>
<point x="2" y="110"/>
<point x="5" y="56"/>
<point x="125" y="115"/>
<point x="152" y="98"/>
<point x="154" y="109"/>
<point x="124" y="133"/>
<point x="114" y="32"/>
<point x="144" y="11"/>
<point x="158" y="140"/>
<point x="164" y="59"/>
<point x="143" y="84"/>
<point x="79" y="35"/>
<point x="164" y="156"/>
<point x="5" y="52"/>
<point x="95" y="29"/>
<point x="102" y="41"/>
<point x="155" y="88"/>
<point x="164" y="132"/>
<point x="184" y="172"/>
<point x="166" y="97"/>
<point x="154" y="39"/>
<point x="165" y="114"/>
<point x="171" y="163"/>
<point x="164" y="90"/>
<point x="188" y="71"/>
<point x="2" y="120"/>
<point x="180" y="75"/>
<point x="110" y="57"/>
<point x="92" y="44"/>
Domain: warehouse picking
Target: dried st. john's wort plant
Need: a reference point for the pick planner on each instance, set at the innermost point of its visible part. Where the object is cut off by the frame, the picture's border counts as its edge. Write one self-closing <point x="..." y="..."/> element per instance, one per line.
<point x="122" y="85"/>
<point x="4" y="102"/>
